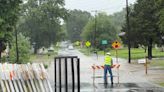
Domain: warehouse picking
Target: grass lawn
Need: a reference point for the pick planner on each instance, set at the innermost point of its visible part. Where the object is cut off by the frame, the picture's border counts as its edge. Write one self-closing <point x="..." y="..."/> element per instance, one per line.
<point x="159" y="63"/>
<point x="85" y="51"/>
<point x="162" y="84"/>
<point x="43" y="57"/>
<point x="135" y="53"/>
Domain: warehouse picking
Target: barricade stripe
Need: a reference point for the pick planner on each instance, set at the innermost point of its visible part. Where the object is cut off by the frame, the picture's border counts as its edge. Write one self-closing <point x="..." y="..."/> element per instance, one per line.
<point x="93" y="67"/>
<point x="102" y="67"/>
<point x="113" y="66"/>
<point x="118" y="66"/>
<point x="98" y="67"/>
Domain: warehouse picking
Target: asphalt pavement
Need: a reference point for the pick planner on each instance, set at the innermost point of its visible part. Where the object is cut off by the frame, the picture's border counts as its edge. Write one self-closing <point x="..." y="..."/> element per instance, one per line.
<point x="132" y="78"/>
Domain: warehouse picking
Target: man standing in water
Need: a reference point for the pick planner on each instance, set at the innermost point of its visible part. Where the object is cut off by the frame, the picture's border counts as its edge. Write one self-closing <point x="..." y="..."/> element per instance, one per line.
<point x="107" y="67"/>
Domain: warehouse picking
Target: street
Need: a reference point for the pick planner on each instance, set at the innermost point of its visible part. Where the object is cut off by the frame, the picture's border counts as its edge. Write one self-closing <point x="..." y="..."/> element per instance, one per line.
<point x="132" y="78"/>
<point x="65" y="44"/>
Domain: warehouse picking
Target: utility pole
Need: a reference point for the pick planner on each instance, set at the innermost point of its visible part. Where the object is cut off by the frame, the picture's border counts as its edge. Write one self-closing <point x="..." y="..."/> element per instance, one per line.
<point x="94" y="38"/>
<point x="128" y="30"/>
<point x="0" y="50"/>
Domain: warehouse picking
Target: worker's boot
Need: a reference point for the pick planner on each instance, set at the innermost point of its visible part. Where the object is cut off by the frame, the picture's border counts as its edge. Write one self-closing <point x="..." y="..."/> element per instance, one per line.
<point x="105" y="82"/>
<point x="111" y="83"/>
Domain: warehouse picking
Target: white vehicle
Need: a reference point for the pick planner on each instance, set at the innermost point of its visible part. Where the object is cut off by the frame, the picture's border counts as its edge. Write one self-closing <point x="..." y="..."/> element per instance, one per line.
<point x="70" y="47"/>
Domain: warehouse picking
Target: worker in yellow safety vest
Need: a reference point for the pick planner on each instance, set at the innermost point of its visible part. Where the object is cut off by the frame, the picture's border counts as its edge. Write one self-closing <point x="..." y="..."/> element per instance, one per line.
<point x="107" y="67"/>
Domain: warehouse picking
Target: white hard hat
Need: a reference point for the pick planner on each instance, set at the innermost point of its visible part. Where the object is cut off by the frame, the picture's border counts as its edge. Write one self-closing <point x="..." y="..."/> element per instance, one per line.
<point x="108" y="53"/>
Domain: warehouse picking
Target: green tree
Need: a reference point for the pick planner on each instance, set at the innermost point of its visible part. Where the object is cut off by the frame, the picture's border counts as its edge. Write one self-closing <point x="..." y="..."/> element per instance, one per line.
<point x="144" y="28"/>
<point x="75" y="23"/>
<point x="42" y="21"/>
<point x="104" y="30"/>
<point x="9" y="11"/>
<point x="160" y="6"/>
<point x="23" y="49"/>
<point x="118" y="20"/>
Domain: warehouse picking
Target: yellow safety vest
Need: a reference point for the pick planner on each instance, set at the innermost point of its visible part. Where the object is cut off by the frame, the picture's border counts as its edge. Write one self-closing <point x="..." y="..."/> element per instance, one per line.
<point x="108" y="60"/>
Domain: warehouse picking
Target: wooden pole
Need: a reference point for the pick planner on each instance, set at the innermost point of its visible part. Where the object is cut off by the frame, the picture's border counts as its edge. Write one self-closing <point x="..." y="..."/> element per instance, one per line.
<point x="146" y="66"/>
<point x="117" y="68"/>
<point x="94" y="75"/>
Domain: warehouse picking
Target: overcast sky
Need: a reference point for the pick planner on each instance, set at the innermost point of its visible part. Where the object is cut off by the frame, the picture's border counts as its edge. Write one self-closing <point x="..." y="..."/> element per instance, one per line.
<point x="109" y="6"/>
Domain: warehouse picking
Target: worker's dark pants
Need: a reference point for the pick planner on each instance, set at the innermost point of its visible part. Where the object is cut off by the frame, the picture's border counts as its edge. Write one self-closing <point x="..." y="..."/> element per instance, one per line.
<point x="106" y="69"/>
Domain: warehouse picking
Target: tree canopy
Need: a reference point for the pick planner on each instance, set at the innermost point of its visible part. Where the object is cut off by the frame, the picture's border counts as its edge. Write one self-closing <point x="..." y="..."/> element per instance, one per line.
<point x="104" y="30"/>
<point x="41" y="22"/>
<point x="9" y="12"/>
<point x="75" y="23"/>
<point x="144" y="28"/>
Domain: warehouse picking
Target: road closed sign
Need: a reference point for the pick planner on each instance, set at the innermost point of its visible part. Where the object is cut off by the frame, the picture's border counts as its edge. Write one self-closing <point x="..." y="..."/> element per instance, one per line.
<point x="116" y="44"/>
<point x="88" y="44"/>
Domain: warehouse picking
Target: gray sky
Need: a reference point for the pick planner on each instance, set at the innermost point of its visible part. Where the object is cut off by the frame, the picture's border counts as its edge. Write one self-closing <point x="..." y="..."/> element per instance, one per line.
<point x="109" y="6"/>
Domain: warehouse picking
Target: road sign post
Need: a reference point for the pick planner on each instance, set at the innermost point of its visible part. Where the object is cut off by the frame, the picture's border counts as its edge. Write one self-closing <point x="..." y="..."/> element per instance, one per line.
<point x="146" y="65"/>
<point x="104" y="42"/>
<point x="116" y="45"/>
<point x="88" y="44"/>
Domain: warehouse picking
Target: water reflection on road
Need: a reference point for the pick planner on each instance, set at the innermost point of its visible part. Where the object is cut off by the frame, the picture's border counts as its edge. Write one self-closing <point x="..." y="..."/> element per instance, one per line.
<point x="122" y="87"/>
<point x="128" y="81"/>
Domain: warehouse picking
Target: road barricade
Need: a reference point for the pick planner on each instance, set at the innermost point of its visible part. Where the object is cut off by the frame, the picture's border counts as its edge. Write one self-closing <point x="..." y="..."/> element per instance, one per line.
<point x="101" y="68"/>
<point x="24" y="78"/>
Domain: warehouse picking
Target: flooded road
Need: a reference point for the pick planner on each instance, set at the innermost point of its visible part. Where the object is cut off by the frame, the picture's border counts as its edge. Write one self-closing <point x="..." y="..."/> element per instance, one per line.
<point x="131" y="79"/>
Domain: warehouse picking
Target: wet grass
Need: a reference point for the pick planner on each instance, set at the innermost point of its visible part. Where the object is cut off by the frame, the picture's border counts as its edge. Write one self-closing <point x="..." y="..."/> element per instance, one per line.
<point x="33" y="57"/>
<point x="161" y="84"/>
<point x="85" y="51"/>
<point x="44" y="58"/>
<point x="159" y="63"/>
<point x="136" y="53"/>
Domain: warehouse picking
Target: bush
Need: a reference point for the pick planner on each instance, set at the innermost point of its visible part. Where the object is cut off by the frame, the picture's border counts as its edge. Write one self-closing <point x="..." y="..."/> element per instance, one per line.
<point x="45" y="66"/>
<point x="23" y="49"/>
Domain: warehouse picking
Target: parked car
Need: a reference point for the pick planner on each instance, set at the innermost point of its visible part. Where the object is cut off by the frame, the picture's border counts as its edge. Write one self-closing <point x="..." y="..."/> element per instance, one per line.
<point x="70" y="47"/>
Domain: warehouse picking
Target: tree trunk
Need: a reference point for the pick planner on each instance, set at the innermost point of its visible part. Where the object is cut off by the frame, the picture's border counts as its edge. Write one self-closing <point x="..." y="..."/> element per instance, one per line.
<point x="145" y="49"/>
<point x="0" y="50"/>
<point x="35" y="49"/>
<point x="0" y="58"/>
<point x="150" y="48"/>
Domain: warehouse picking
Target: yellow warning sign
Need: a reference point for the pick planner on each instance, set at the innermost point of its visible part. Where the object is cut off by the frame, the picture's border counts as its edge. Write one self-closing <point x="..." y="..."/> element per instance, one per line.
<point x="116" y="44"/>
<point x="77" y="43"/>
<point x="88" y="44"/>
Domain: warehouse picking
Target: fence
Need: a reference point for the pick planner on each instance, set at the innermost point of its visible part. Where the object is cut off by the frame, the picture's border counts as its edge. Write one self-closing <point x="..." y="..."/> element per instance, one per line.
<point x="67" y="74"/>
<point x="101" y="67"/>
<point x="24" y="78"/>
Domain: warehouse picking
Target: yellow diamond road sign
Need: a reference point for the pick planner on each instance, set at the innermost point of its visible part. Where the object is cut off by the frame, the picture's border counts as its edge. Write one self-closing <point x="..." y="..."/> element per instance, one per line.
<point x="116" y="44"/>
<point x="77" y="43"/>
<point x="88" y="44"/>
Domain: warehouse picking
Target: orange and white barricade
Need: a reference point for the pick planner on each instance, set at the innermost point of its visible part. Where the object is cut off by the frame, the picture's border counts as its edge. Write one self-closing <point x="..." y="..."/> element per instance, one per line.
<point x="101" y="67"/>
